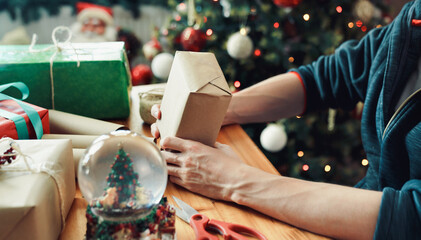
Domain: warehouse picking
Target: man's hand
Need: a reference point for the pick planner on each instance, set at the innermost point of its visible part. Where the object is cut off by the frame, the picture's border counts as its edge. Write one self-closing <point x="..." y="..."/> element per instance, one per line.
<point x="211" y="171"/>
<point x="198" y="167"/>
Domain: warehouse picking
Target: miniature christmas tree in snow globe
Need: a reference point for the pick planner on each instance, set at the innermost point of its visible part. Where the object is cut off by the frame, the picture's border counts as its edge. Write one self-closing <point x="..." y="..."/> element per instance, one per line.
<point x="123" y="190"/>
<point x="122" y="176"/>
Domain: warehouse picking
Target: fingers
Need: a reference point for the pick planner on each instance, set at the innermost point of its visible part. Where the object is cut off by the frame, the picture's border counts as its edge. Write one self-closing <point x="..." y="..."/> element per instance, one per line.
<point x="174" y="171"/>
<point x="156" y="111"/>
<point x="154" y="130"/>
<point x="174" y="143"/>
<point x="171" y="158"/>
<point x="176" y="180"/>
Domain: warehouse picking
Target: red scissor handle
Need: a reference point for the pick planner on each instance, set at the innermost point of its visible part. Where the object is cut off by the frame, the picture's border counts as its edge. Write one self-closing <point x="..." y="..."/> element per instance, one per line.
<point x="200" y="223"/>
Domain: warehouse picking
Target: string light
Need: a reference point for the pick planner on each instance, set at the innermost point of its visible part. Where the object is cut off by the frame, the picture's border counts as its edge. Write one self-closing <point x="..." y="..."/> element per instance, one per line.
<point x="363" y="28"/>
<point x="243" y="31"/>
<point x="205" y="19"/>
<point x="300" y="153"/>
<point x="253" y="10"/>
<point x="350" y="24"/>
<point x="237" y="84"/>
<point x="359" y="23"/>
<point x="305" y="167"/>
<point x="209" y="32"/>
<point x="177" y="18"/>
<point x="339" y="9"/>
<point x="291" y="59"/>
<point x="276" y="25"/>
<point x="379" y="26"/>
<point x="257" y="52"/>
<point x="328" y="168"/>
<point x="364" y="162"/>
<point x="306" y="17"/>
<point x="298" y="117"/>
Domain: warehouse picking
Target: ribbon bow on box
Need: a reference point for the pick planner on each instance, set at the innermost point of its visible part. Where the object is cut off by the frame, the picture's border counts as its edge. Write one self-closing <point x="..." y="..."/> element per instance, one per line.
<point x="19" y="121"/>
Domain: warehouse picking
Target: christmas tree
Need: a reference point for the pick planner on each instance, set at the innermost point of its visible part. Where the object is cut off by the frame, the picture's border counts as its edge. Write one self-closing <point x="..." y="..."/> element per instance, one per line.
<point x="254" y="40"/>
<point x="123" y="192"/>
<point x="123" y="177"/>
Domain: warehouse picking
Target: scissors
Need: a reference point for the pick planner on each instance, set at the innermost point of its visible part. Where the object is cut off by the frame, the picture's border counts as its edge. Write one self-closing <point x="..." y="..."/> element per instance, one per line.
<point x="200" y="223"/>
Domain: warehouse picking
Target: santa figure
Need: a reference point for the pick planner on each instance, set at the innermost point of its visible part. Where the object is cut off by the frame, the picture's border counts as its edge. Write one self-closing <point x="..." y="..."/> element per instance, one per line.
<point x="95" y="23"/>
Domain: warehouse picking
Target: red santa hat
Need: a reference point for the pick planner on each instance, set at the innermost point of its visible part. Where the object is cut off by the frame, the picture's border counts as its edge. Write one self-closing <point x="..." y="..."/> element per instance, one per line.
<point x="86" y="11"/>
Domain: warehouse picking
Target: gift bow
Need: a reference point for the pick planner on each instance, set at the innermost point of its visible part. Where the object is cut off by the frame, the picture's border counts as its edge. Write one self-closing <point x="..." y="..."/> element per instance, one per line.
<point x="19" y="121"/>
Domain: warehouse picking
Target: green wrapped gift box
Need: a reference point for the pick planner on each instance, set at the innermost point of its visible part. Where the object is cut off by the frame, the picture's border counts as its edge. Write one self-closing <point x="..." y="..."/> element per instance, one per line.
<point x="98" y="88"/>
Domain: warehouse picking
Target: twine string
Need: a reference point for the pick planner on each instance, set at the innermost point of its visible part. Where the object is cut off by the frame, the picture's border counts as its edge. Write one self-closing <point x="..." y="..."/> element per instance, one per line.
<point x="17" y="153"/>
<point x="58" y="45"/>
<point x="43" y="167"/>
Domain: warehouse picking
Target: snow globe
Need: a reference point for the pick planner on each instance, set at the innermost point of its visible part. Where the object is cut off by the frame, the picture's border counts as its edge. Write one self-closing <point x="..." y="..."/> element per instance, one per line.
<point x="123" y="178"/>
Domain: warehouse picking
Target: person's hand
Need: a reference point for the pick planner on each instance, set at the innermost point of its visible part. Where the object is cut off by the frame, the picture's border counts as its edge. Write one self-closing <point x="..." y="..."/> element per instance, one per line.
<point x="156" y="113"/>
<point x="211" y="171"/>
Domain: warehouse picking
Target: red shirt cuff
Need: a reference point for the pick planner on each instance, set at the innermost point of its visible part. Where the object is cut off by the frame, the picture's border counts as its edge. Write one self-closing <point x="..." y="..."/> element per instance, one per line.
<point x="304" y="89"/>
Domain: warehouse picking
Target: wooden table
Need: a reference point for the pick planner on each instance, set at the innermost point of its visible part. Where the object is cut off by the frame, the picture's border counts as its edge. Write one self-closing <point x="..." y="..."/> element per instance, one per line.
<point x="232" y="135"/>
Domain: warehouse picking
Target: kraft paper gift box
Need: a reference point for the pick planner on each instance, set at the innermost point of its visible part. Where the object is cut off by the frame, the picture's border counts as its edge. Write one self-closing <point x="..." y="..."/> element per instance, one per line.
<point x="9" y="129"/>
<point x="98" y="88"/>
<point x="196" y="98"/>
<point x="34" y="204"/>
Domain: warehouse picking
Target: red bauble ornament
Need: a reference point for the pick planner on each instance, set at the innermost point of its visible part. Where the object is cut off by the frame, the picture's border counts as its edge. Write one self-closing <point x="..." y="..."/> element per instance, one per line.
<point x="193" y="39"/>
<point x="141" y="74"/>
<point x="286" y="3"/>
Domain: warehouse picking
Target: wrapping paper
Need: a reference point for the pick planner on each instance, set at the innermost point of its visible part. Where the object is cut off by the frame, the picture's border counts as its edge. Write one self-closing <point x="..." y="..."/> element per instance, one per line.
<point x="34" y="204"/>
<point x="99" y="87"/>
<point x="196" y="98"/>
<point x="8" y="127"/>
<point x="79" y="144"/>
<point x="66" y="123"/>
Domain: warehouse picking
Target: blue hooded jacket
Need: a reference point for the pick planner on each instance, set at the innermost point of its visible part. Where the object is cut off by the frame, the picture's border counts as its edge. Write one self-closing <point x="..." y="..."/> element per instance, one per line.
<point x="375" y="70"/>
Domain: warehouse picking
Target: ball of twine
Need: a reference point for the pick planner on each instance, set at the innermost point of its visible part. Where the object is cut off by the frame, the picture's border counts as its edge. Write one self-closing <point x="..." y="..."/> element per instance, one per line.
<point x="146" y="101"/>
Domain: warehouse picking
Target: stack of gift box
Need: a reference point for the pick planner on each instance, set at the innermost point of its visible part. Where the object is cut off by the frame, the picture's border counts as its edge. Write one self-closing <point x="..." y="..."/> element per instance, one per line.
<point x="47" y="91"/>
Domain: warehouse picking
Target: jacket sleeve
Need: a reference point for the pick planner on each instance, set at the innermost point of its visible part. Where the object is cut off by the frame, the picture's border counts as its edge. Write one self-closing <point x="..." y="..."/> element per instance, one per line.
<point x="400" y="212"/>
<point x="340" y="80"/>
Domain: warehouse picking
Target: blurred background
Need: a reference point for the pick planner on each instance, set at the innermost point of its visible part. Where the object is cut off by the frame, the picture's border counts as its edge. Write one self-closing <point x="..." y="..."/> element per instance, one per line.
<point x="252" y="40"/>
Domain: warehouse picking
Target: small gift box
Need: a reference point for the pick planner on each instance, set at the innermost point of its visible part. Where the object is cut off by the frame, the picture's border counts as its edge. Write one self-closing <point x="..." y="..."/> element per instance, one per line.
<point x="88" y="79"/>
<point x="20" y="120"/>
<point x="196" y="98"/>
<point x="37" y="188"/>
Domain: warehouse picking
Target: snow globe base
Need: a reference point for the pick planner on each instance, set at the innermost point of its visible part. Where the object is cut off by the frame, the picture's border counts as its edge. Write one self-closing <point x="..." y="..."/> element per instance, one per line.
<point x="159" y="224"/>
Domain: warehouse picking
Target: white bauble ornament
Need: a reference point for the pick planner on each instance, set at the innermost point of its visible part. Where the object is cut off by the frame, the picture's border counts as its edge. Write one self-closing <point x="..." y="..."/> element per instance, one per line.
<point x="239" y="46"/>
<point x="161" y="65"/>
<point x="273" y="138"/>
<point x="181" y="8"/>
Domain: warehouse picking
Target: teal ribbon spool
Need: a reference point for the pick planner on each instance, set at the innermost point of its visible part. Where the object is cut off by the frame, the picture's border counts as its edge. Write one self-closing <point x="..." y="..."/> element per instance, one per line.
<point x="19" y="121"/>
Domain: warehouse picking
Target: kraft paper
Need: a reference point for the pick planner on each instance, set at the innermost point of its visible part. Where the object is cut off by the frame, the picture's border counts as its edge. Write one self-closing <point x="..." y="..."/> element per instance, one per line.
<point x="34" y="204"/>
<point x="196" y="98"/>
<point x="67" y="123"/>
